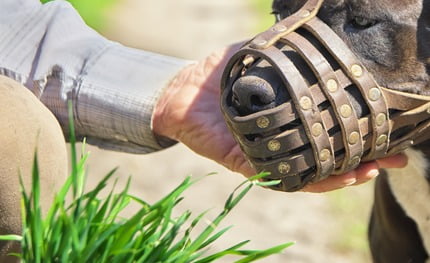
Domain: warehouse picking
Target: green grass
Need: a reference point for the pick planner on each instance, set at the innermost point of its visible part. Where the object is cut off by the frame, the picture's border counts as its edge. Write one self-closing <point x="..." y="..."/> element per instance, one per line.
<point x="90" y="229"/>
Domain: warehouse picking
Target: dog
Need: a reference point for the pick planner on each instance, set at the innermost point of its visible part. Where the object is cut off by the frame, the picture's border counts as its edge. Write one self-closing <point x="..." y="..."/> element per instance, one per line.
<point x="391" y="38"/>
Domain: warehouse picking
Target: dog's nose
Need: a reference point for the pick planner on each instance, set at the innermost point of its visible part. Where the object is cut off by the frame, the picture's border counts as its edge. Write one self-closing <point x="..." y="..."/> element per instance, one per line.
<point x="252" y="94"/>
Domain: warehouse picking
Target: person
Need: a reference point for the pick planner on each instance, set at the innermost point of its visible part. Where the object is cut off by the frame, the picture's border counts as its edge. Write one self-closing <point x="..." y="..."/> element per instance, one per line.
<point x="123" y="99"/>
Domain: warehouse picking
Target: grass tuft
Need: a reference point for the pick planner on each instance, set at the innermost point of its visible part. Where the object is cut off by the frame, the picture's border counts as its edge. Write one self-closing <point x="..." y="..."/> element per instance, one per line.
<point x="89" y="229"/>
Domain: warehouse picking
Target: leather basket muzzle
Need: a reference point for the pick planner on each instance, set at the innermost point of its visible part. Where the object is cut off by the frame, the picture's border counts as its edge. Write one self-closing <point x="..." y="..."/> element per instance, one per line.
<point x="333" y="114"/>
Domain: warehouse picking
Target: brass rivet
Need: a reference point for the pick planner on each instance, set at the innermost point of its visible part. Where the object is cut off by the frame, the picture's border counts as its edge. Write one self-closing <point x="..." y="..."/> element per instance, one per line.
<point x="332" y="85"/>
<point x="354" y="137"/>
<point x="381" y="140"/>
<point x="374" y="94"/>
<point x="354" y="161"/>
<point x="248" y="60"/>
<point x="284" y="168"/>
<point x="274" y="145"/>
<point x="345" y="111"/>
<point x="259" y="42"/>
<point x="280" y="28"/>
<point x="305" y="13"/>
<point x="263" y="122"/>
<point x="380" y="119"/>
<point x="306" y="103"/>
<point x="356" y="70"/>
<point x="325" y="155"/>
<point x="317" y="129"/>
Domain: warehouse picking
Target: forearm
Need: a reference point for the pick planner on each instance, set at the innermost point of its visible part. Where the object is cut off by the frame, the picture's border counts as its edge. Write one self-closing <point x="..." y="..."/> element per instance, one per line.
<point x="114" y="99"/>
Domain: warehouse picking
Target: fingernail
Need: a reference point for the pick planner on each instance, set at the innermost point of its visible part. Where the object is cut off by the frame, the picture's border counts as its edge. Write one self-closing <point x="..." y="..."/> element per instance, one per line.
<point x="350" y="182"/>
<point x="373" y="173"/>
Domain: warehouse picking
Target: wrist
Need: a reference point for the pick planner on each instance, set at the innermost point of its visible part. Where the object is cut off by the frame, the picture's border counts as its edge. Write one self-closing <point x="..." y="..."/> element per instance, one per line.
<point x="165" y="118"/>
<point x="177" y="109"/>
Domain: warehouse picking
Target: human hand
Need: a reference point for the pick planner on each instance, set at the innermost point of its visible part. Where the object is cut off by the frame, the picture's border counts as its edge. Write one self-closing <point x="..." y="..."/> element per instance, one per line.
<point x="188" y="111"/>
<point x="362" y="174"/>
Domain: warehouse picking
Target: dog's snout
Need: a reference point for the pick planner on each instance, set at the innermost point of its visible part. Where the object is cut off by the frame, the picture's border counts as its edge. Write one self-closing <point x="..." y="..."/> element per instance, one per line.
<point x="252" y="94"/>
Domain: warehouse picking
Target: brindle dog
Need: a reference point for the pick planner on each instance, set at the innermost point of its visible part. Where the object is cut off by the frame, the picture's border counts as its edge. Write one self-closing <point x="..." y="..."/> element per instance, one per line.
<point x="392" y="39"/>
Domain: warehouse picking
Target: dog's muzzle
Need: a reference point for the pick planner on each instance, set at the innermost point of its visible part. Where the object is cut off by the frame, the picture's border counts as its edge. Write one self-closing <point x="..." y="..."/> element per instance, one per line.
<point x="303" y="107"/>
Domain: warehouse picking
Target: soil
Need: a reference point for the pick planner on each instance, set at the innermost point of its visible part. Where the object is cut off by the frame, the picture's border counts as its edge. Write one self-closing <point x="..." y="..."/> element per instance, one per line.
<point x="325" y="227"/>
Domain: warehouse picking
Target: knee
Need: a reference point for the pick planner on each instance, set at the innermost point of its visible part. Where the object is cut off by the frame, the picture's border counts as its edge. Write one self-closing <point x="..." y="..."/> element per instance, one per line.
<point x="27" y="126"/>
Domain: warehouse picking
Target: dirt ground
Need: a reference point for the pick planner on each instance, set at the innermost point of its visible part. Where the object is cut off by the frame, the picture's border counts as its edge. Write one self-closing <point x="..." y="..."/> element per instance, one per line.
<point x="326" y="227"/>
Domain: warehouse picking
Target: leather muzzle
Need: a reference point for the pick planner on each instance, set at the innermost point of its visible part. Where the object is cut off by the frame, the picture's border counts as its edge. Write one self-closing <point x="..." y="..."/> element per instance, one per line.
<point x="317" y="130"/>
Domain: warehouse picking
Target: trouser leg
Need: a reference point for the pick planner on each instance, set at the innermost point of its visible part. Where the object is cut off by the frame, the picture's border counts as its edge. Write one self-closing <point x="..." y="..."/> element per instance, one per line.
<point x="26" y="125"/>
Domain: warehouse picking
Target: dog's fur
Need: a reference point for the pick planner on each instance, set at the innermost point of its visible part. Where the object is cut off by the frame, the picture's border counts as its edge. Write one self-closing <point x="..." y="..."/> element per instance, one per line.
<point x="392" y="39"/>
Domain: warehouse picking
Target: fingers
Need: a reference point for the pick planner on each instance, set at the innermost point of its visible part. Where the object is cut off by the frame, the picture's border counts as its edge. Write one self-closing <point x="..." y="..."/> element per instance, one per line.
<point x="365" y="172"/>
<point x="396" y="161"/>
<point x="362" y="174"/>
<point x="369" y="170"/>
<point x="239" y="164"/>
<point x="333" y="182"/>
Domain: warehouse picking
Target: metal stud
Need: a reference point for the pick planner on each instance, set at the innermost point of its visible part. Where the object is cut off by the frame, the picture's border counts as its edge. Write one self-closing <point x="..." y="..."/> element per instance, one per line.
<point x="325" y="155"/>
<point x="356" y="70"/>
<point x="317" y="129"/>
<point x="375" y="94"/>
<point x="332" y="85"/>
<point x="280" y="28"/>
<point x="284" y="168"/>
<point x="345" y="111"/>
<point x="263" y="122"/>
<point x="354" y="137"/>
<point x="306" y="103"/>
<point x="274" y="145"/>
<point x="381" y="118"/>
<point x="305" y="13"/>
<point x="381" y="140"/>
<point x="354" y="161"/>
<point x="258" y="42"/>
<point x="248" y="60"/>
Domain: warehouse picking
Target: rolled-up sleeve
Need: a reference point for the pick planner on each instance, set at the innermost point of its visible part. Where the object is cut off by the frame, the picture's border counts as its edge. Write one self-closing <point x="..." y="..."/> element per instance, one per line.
<point x="113" y="88"/>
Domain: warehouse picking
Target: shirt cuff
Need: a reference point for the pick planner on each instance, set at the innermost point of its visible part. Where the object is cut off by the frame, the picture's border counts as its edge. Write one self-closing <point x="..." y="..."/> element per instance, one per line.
<point x="116" y="95"/>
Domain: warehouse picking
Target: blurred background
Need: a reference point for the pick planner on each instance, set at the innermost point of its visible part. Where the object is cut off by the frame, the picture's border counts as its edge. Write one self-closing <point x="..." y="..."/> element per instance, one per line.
<point x="326" y="227"/>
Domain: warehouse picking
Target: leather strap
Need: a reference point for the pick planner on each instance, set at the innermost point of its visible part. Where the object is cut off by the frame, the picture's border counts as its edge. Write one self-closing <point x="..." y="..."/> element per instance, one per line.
<point x="286" y="26"/>
<point x="317" y="132"/>
<point x="363" y="80"/>
<point x="351" y="134"/>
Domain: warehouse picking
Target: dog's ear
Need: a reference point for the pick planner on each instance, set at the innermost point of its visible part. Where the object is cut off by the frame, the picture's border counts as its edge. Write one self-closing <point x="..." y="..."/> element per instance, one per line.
<point x="423" y="34"/>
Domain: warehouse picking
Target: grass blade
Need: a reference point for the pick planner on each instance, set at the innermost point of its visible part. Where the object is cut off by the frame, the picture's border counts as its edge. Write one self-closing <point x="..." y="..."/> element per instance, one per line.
<point x="259" y="254"/>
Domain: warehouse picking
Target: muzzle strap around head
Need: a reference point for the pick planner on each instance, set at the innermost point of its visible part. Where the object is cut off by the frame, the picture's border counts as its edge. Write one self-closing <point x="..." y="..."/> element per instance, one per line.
<point x="351" y="134"/>
<point x="284" y="27"/>
<point x="307" y="110"/>
<point x="317" y="132"/>
<point x="367" y="86"/>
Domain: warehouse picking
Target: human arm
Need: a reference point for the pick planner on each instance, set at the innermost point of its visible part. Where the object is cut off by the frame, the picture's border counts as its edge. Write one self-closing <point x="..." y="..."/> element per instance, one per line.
<point x="113" y="88"/>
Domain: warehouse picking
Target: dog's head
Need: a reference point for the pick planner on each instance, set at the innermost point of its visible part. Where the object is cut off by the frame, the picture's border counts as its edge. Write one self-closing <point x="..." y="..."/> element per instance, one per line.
<point x="390" y="37"/>
<point x="314" y="95"/>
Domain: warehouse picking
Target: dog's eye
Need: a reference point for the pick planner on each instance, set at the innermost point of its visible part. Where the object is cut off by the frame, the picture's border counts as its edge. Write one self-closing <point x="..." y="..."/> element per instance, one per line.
<point x="362" y="23"/>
